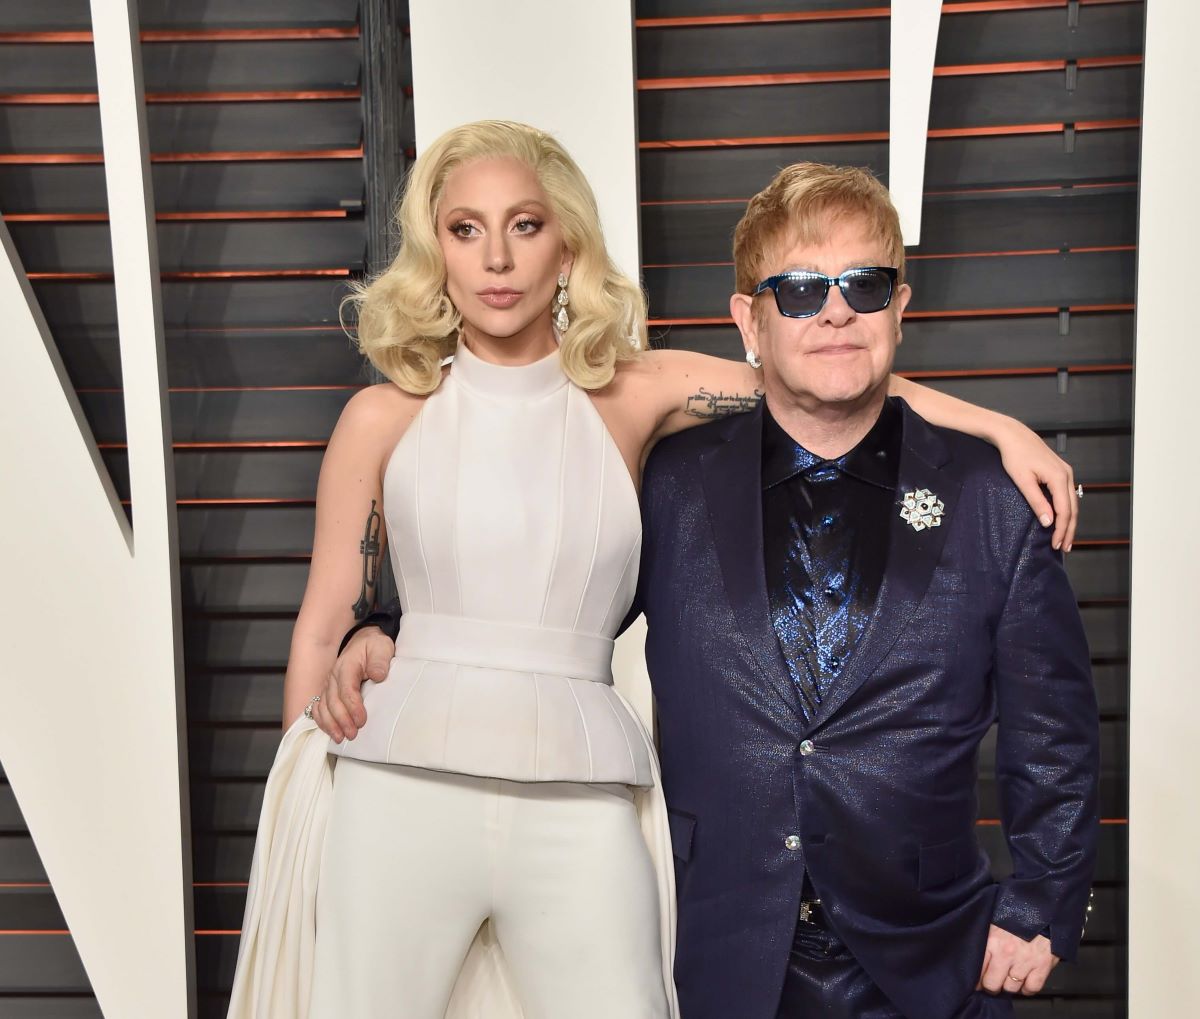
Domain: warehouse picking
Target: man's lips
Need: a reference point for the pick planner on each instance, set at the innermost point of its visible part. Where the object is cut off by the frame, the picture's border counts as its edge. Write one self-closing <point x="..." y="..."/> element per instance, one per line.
<point x="500" y="297"/>
<point x="841" y="348"/>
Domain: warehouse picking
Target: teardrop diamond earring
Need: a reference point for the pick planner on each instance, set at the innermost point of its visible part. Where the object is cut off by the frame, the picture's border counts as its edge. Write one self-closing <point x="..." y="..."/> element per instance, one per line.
<point x="561" y="300"/>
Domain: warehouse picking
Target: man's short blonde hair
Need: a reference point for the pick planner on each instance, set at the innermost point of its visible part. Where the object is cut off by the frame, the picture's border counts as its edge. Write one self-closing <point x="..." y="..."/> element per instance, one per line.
<point x="800" y="205"/>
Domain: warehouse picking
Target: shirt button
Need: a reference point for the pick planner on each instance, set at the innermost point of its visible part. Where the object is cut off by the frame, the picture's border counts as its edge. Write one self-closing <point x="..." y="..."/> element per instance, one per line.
<point x="835" y="663"/>
<point x="833" y="592"/>
<point x="791" y="843"/>
<point x="807" y="748"/>
<point x="827" y="521"/>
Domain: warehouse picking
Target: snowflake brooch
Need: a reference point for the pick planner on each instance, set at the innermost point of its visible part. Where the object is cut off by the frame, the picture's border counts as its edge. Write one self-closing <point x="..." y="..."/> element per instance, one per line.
<point x="922" y="509"/>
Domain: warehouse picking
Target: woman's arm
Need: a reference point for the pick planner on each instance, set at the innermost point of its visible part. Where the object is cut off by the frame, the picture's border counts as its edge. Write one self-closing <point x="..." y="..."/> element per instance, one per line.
<point x="1028" y="460"/>
<point x="348" y="544"/>
<point x="690" y="389"/>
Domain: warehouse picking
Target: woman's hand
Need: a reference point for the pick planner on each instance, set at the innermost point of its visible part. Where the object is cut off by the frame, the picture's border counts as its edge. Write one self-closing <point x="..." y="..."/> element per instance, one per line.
<point x="1031" y="464"/>
<point x="340" y="712"/>
<point x="1028" y="460"/>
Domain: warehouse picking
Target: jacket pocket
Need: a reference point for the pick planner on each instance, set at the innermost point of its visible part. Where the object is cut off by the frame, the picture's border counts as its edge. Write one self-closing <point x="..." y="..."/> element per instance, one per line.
<point x="943" y="862"/>
<point x="683" y="828"/>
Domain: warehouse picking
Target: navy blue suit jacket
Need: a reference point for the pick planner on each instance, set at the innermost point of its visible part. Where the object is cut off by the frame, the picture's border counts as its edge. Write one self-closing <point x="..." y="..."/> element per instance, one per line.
<point x="975" y="622"/>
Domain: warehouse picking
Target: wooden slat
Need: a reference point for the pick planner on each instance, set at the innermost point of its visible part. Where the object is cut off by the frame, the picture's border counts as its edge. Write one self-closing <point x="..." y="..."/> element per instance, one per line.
<point x="191" y="129"/>
<point x="990" y="102"/>
<point x="1092" y="402"/>
<point x="233" y="416"/>
<point x="656" y="13"/>
<point x="731" y="172"/>
<point x="227" y="186"/>
<point x="240" y="471"/>
<point x="214" y="304"/>
<point x="255" y="528"/>
<point x="270" y="244"/>
<point x="158" y="15"/>
<point x="691" y="233"/>
<point x="282" y="61"/>
<point x="49" y="1006"/>
<point x="788" y="43"/>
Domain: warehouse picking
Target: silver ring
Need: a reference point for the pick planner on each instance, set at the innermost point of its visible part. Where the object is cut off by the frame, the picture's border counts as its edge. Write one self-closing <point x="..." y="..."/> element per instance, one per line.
<point x="1079" y="491"/>
<point x="308" y="708"/>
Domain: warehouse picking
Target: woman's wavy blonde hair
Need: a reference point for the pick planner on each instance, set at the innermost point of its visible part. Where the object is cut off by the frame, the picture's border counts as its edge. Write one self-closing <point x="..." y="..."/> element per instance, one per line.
<point x="406" y="323"/>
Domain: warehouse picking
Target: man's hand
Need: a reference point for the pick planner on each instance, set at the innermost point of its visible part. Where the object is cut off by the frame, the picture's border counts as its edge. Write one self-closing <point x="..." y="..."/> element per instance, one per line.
<point x="340" y="711"/>
<point x="1014" y="965"/>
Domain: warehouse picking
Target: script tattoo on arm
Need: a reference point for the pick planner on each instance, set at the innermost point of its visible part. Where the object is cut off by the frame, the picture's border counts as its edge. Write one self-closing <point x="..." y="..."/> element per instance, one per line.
<point x="718" y="405"/>
<point x="369" y="549"/>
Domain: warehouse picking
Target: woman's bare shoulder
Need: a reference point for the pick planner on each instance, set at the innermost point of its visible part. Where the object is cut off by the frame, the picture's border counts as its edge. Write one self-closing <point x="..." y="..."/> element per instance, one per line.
<point x="374" y="420"/>
<point x="381" y="403"/>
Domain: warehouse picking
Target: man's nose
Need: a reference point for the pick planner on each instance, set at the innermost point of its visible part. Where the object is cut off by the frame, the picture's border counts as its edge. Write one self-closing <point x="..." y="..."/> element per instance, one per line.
<point x="836" y="311"/>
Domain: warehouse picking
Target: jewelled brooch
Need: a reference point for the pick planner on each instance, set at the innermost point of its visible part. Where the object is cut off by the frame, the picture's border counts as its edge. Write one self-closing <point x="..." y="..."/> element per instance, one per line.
<point x="922" y="509"/>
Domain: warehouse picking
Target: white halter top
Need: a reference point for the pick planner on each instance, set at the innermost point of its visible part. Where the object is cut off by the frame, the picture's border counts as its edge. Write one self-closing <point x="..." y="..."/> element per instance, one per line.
<point x="514" y="533"/>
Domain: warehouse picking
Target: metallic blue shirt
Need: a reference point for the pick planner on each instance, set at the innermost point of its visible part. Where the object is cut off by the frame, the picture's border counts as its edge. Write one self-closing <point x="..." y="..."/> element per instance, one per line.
<point x="825" y="544"/>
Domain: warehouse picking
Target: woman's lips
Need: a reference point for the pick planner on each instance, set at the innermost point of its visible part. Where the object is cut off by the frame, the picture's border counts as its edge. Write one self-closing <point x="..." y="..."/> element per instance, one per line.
<point x="500" y="297"/>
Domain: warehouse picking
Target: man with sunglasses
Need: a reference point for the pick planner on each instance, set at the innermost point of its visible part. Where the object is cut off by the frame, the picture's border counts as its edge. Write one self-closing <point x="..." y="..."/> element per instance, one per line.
<point x="841" y="598"/>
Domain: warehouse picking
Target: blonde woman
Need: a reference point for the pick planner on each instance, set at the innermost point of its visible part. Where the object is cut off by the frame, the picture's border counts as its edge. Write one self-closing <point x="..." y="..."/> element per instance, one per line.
<point x="492" y="840"/>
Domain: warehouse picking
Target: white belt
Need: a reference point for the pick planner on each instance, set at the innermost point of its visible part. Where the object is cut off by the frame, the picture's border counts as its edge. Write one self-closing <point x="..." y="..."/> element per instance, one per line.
<point x="483" y="644"/>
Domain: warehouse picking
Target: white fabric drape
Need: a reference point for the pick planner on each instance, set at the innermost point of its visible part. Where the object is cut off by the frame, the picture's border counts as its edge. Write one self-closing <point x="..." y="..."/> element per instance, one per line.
<point x="275" y="957"/>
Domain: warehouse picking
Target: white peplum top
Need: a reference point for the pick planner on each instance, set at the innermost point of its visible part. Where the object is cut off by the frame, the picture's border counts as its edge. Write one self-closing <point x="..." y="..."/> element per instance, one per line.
<point x="514" y="533"/>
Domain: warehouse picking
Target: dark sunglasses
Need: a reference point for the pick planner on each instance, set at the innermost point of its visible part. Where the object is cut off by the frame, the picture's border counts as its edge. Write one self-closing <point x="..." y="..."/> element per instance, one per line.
<point x="803" y="294"/>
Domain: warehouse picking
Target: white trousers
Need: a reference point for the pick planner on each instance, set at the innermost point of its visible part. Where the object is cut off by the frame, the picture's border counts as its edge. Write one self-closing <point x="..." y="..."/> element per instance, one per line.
<point x="415" y="861"/>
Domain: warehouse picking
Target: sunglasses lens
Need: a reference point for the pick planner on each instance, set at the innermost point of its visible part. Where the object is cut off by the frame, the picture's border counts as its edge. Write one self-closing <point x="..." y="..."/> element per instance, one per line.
<point x="800" y="296"/>
<point x="867" y="291"/>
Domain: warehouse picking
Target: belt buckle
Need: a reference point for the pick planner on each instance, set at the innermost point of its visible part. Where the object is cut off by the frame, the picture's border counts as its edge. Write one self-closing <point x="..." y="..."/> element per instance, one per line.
<point x="808" y="908"/>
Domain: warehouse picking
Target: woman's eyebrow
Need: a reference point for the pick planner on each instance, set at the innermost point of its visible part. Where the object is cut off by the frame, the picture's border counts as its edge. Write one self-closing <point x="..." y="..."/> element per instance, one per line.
<point x="463" y="210"/>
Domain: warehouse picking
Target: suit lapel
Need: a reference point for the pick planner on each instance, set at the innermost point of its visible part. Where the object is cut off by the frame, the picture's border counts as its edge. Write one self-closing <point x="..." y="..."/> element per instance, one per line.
<point x="732" y="474"/>
<point x="912" y="558"/>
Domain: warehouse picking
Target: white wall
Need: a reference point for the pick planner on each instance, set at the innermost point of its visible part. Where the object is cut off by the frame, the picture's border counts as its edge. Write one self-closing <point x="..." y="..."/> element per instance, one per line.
<point x="1164" y="832"/>
<point x="90" y="685"/>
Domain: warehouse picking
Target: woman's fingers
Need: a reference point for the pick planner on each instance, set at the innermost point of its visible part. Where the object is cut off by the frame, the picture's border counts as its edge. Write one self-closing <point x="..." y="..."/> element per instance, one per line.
<point x="1066" y="507"/>
<point x="346" y="681"/>
<point x="337" y="711"/>
<point x="325" y="721"/>
<point x="1043" y="509"/>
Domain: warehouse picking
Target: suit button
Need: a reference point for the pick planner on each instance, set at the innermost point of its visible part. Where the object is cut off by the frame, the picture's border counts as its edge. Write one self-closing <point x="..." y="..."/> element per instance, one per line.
<point x="807" y="748"/>
<point x="792" y="843"/>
